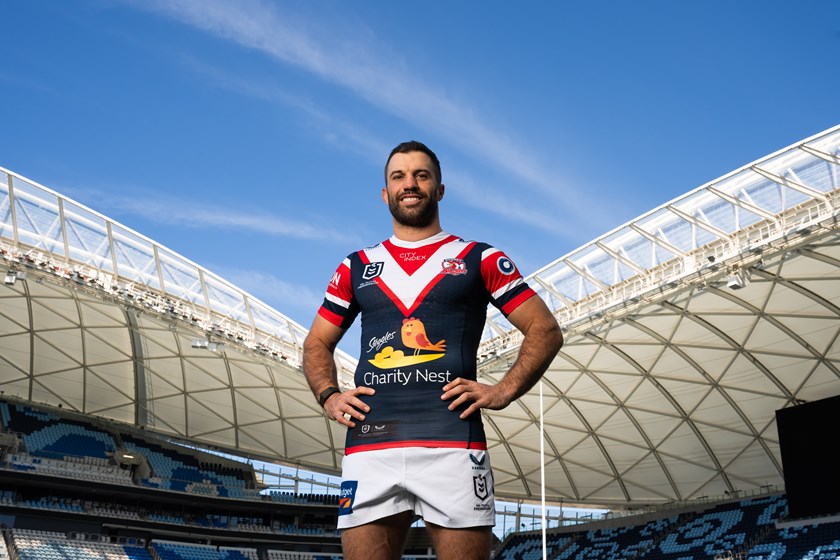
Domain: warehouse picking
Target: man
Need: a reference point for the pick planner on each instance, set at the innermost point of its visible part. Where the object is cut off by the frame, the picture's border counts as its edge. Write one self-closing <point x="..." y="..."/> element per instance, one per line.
<point x="415" y="442"/>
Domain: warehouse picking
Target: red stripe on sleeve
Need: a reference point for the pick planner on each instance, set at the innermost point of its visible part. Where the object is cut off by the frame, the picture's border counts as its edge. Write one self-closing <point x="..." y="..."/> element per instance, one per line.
<point x="333" y="318"/>
<point x="517" y="301"/>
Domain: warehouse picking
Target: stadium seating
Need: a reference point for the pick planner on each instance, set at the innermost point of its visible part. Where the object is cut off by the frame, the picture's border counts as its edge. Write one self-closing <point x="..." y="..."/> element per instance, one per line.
<point x="807" y="541"/>
<point x="58" y="446"/>
<point x="182" y="472"/>
<point x="46" y="444"/>
<point x="46" y="435"/>
<point x="48" y="545"/>
<point x="167" y="550"/>
<point x="740" y="529"/>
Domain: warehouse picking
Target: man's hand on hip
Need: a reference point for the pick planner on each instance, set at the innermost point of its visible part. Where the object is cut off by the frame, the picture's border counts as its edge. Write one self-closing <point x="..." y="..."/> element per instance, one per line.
<point x="346" y="407"/>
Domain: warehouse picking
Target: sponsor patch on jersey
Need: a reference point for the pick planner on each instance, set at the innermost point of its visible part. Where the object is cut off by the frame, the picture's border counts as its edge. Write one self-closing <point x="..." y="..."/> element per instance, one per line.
<point x="411" y="256"/>
<point x="347" y="496"/>
<point x="505" y="266"/>
<point x="376" y="430"/>
<point x="454" y="267"/>
<point x="372" y="270"/>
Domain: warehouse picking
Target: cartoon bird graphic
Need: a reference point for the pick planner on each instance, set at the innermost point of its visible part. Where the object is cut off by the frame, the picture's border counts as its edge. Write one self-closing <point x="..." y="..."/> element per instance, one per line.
<point x="414" y="336"/>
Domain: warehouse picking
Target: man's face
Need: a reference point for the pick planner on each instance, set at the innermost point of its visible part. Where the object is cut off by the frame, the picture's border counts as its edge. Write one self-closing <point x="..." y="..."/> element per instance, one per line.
<point x="412" y="190"/>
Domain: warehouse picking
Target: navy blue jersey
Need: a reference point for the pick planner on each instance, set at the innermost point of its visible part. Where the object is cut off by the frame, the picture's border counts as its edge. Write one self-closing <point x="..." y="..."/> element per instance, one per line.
<point x="423" y="307"/>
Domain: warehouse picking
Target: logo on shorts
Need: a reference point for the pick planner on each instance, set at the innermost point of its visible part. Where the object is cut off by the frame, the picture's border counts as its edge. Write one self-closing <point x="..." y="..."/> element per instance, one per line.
<point x="476" y="461"/>
<point x="481" y="487"/>
<point x="347" y="497"/>
<point x="372" y="270"/>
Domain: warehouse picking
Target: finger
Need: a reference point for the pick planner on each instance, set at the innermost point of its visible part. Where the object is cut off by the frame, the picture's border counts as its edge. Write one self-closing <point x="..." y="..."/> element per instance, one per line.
<point x="452" y="390"/>
<point x="462" y="399"/>
<point x="358" y="405"/>
<point x="354" y="408"/>
<point x="470" y="409"/>
<point x="356" y="402"/>
<point x="456" y="394"/>
<point x="454" y="383"/>
<point x="344" y="419"/>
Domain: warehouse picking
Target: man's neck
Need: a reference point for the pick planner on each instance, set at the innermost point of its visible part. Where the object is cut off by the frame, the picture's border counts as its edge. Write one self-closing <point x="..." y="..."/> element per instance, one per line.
<point x="406" y="233"/>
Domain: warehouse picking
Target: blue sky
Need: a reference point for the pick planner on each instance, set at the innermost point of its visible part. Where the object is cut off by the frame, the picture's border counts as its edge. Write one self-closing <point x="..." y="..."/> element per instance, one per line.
<point x="250" y="136"/>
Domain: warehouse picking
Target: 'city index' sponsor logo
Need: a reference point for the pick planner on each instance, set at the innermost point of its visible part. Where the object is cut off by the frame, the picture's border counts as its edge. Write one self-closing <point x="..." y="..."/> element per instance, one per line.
<point x="347" y="497"/>
<point x="412" y="257"/>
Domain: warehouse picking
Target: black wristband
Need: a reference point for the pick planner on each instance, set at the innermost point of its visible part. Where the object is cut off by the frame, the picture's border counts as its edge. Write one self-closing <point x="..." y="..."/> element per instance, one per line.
<point x="327" y="393"/>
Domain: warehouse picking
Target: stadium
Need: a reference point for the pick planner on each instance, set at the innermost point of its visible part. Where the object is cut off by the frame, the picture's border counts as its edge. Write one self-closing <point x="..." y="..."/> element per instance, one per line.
<point x="151" y="409"/>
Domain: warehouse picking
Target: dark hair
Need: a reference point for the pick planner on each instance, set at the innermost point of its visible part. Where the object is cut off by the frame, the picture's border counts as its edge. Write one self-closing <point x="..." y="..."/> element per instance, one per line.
<point x="414" y="146"/>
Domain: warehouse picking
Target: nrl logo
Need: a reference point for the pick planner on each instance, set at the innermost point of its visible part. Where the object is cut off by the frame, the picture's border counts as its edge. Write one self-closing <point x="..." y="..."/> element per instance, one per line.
<point x="480" y="486"/>
<point x="372" y="270"/>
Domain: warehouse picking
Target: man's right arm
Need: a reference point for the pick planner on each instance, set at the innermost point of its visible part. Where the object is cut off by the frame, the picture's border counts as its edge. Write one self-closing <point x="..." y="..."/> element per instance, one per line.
<point x="321" y="373"/>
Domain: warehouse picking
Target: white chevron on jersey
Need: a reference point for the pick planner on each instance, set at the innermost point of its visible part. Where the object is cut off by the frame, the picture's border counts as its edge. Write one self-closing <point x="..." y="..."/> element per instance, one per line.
<point x="407" y="291"/>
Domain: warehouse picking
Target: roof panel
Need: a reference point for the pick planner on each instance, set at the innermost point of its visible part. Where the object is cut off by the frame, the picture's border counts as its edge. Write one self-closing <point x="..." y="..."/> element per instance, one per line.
<point x="661" y="346"/>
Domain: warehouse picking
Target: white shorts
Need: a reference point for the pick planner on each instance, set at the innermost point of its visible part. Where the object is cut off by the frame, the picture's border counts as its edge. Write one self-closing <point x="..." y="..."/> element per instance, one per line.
<point x="448" y="487"/>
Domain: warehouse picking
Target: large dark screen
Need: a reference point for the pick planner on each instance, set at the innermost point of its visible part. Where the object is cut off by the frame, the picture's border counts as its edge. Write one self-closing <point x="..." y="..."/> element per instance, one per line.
<point x="808" y="443"/>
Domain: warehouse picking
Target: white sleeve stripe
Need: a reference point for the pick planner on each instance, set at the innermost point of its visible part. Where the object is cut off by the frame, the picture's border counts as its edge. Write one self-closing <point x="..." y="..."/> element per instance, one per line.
<point x="487" y="252"/>
<point x="338" y="301"/>
<point x="507" y="287"/>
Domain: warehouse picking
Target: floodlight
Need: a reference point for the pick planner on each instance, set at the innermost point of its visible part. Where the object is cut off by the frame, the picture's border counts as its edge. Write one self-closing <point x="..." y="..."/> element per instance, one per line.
<point x="14" y="275"/>
<point x="208" y="345"/>
<point x="738" y="279"/>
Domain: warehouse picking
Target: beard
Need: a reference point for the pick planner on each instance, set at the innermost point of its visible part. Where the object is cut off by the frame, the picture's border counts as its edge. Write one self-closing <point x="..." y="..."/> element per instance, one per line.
<point x="418" y="216"/>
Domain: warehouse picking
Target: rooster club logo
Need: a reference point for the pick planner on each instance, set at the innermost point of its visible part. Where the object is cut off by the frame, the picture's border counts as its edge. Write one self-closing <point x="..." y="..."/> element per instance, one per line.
<point x="372" y="270"/>
<point x="454" y="267"/>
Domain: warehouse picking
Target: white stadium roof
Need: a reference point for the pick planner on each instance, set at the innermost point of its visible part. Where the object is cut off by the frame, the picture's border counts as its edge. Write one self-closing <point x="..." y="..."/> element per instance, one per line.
<point x="686" y="329"/>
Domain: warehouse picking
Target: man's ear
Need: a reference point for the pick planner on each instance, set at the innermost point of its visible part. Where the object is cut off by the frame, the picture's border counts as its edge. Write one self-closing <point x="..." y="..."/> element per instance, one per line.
<point x="385" y="195"/>
<point x="440" y="190"/>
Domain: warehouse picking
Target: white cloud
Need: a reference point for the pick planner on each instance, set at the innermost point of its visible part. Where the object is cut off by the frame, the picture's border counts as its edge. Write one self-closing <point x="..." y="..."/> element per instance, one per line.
<point x="276" y="292"/>
<point x="334" y="130"/>
<point x="360" y="66"/>
<point x="509" y="205"/>
<point x="188" y="213"/>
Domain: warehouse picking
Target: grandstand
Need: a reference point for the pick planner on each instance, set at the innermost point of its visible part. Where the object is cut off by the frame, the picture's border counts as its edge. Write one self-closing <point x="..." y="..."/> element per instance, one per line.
<point x="123" y="365"/>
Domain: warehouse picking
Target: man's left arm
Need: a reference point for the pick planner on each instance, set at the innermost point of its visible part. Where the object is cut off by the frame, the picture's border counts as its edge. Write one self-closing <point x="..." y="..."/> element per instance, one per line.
<point x="543" y="339"/>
